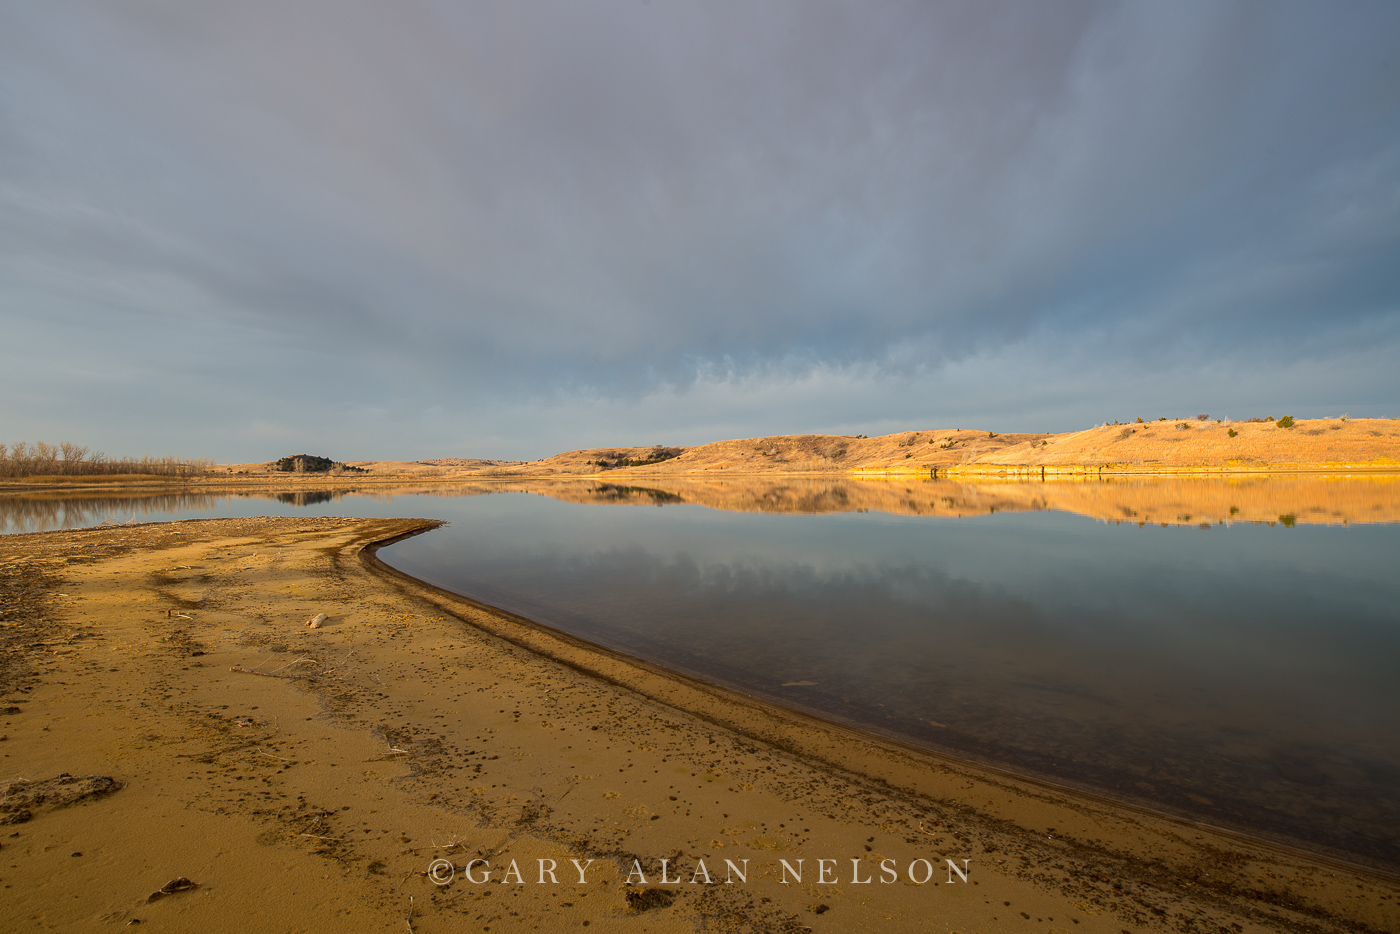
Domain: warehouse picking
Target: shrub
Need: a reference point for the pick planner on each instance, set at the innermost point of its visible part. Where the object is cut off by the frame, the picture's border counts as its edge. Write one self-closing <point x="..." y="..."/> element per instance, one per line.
<point x="304" y="463"/>
<point x="1139" y="421"/>
<point x="1286" y="422"/>
<point x="1232" y="432"/>
<point x="1182" y="426"/>
<point x="1202" y="418"/>
<point x="615" y="459"/>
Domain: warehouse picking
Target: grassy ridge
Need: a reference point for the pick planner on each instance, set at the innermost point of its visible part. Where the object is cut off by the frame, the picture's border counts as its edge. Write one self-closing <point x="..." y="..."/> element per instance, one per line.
<point x="1163" y="445"/>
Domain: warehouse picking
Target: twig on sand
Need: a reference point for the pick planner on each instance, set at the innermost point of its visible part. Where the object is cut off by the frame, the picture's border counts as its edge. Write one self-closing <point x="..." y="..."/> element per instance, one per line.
<point x="265" y="661"/>
<point x="295" y="661"/>
<point x="273" y="674"/>
<point x="342" y="661"/>
<point x="409" y="920"/>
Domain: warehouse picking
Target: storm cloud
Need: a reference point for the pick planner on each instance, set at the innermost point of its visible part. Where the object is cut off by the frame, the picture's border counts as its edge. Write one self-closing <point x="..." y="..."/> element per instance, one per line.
<point x="505" y="229"/>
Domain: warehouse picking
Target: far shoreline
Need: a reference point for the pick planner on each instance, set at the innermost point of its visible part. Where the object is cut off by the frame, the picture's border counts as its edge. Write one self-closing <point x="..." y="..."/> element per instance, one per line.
<point x="1162" y="448"/>
<point x="1076" y="473"/>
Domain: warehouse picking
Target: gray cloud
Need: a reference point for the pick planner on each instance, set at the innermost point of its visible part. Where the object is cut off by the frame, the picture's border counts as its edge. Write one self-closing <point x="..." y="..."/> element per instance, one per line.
<point x="502" y="229"/>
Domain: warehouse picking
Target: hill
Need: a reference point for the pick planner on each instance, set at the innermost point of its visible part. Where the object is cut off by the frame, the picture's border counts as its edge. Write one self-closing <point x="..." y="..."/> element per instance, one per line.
<point x="1163" y="446"/>
<point x="1141" y="447"/>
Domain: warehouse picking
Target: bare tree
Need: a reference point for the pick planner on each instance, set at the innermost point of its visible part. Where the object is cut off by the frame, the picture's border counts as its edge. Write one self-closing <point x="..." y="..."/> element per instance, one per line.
<point x="21" y="459"/>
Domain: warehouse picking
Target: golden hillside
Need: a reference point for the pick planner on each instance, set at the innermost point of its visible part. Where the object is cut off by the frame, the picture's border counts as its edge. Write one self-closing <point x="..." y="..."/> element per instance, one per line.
<point x="1193" y="443"/>
<point x="1164" y="446"/>
<point x="1182" y="444"/>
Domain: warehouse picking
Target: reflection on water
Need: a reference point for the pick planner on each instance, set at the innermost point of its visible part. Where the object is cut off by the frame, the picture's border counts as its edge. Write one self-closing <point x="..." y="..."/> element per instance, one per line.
<point x="1289" y="500"/>
<point x="310" y="497"/>
<point x="52" y="510"/>
<point x="1340" y="499"/>
<point x="1241" y="675"/>
<point x="1234" y="666"/>
<point x="46" y="512"/>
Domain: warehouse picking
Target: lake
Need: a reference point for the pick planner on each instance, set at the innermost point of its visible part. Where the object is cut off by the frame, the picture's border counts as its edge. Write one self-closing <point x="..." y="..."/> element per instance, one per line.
<point x="1237" y="672"/>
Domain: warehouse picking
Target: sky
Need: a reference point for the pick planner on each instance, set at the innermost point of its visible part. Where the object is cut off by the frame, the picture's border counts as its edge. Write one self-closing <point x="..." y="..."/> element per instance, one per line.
<point x="411" y="230"/>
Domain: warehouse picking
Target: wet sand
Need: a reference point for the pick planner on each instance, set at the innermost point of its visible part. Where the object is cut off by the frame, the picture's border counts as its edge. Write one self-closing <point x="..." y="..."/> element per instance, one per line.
<point x="306" y="778"/>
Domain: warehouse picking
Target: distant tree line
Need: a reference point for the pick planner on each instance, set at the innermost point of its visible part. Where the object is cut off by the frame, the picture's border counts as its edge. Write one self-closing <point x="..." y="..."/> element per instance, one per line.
<point x="615" y="459"/>
<point x="39" y="459"/>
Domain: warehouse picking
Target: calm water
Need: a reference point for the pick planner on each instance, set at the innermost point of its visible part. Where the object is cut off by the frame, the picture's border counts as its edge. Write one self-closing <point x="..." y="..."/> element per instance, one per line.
<point x="1244" y="675"/>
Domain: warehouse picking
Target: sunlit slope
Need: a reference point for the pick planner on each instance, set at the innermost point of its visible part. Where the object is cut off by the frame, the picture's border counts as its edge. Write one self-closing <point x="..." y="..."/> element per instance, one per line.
<point x="794" y="454"/>
<point x="1165" y="446"/>
<point x="1150" y="446"/>
<point x="1194" y="443"/>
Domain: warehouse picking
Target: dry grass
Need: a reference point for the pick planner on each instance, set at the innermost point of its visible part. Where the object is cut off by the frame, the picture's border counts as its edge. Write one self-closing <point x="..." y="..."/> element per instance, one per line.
<point x="1148" y="446"/>
<point x="1321" y="442"/>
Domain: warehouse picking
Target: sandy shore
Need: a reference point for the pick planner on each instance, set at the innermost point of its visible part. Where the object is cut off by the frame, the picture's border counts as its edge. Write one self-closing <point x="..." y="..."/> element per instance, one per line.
<point x="307" y="778"/>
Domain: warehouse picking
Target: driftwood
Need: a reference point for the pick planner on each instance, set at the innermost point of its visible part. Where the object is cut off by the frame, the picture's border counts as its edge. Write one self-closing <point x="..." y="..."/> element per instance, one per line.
<point x="170" y="888"/>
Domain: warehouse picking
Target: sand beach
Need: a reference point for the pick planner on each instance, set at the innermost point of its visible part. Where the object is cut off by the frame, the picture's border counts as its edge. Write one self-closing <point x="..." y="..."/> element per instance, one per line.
<point x="169" y="715"/>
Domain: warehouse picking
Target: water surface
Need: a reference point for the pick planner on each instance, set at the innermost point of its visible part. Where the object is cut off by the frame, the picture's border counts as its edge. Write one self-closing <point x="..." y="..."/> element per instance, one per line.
<point x="1240" y="673"/>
